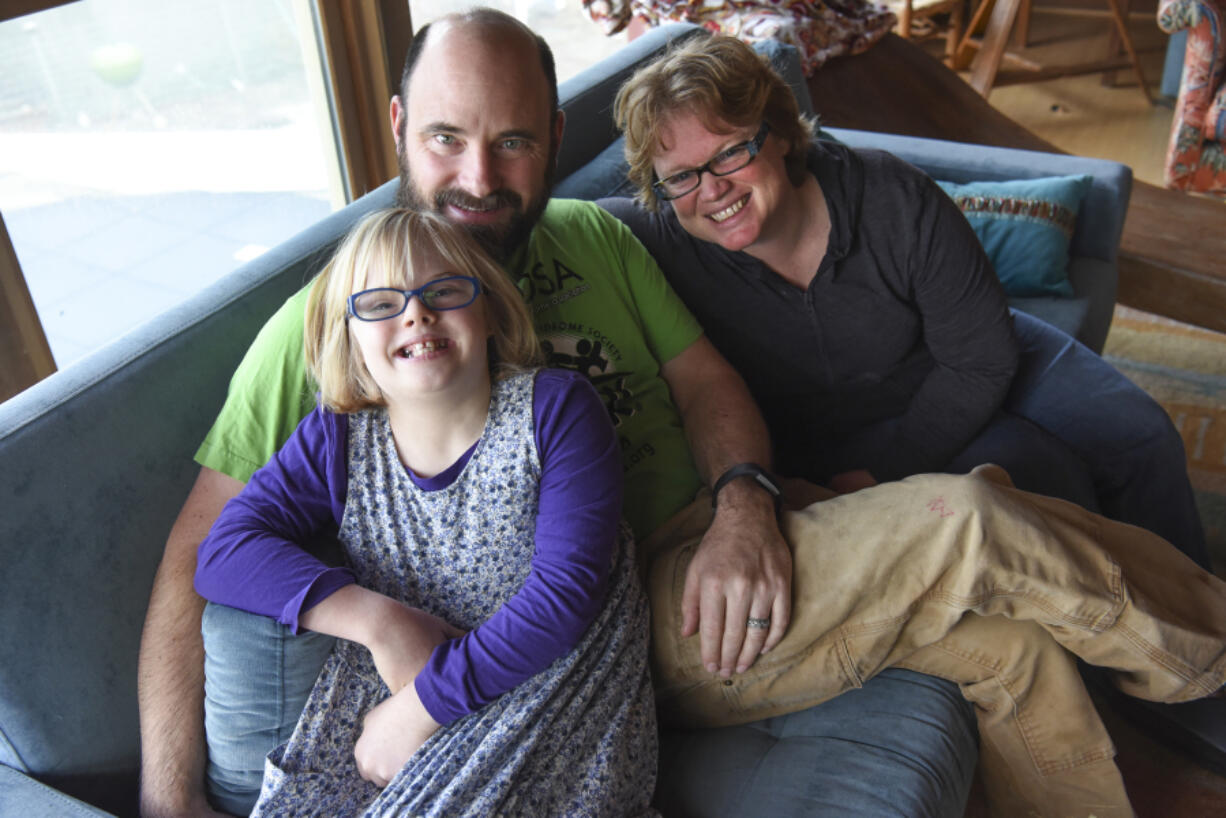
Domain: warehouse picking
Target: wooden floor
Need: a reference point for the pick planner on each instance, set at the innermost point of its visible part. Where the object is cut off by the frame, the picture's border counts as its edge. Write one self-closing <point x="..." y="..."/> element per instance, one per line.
<point x="1081" y="115"/>
<point x="1173" y="244"/>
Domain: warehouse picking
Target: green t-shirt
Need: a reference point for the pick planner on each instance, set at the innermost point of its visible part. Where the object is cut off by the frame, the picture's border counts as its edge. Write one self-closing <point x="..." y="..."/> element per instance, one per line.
<point x="601" y="307"/>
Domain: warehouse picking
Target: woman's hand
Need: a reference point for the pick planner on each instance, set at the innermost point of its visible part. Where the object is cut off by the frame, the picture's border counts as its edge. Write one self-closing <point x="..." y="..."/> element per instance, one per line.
<point x="391" y="732"/>
<point x="854" y="480"/>
<point x="798" y="493"/>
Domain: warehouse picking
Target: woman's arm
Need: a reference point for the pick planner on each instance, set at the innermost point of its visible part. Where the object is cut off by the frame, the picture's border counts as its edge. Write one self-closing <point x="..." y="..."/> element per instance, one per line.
<point x="969" y="333"/>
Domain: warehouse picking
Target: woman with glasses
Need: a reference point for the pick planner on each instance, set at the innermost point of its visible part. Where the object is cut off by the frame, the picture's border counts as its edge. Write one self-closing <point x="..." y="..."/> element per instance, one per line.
<point x="492" y="656"/>
<point x="858" y="304"/>
<point x="860" y="307"/>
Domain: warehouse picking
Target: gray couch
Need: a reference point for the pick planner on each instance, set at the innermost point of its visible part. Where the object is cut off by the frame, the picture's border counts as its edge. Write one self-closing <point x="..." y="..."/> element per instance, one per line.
<point x="96" y="460"/>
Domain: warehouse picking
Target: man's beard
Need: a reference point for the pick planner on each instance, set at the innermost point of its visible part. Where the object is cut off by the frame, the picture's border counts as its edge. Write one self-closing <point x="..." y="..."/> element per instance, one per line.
<point x="500" y="241"/>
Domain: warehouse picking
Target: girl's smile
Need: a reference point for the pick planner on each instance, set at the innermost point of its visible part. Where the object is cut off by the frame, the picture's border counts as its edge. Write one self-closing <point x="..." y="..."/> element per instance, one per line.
<point x="424" y="351"/>
<point x="425" y="347"/>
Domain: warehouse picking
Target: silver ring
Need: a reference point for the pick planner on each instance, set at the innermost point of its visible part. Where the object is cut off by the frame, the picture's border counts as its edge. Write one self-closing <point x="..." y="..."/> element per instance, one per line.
<point x="753" y="622"/>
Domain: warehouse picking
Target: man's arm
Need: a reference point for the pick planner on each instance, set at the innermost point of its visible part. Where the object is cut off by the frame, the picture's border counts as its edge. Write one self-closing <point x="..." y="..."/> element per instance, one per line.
<point x="743" y="567"/>
<point x="171" y="671"/>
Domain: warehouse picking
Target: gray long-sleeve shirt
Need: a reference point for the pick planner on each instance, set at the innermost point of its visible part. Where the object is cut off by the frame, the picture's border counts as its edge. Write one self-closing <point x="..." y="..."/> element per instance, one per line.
<point x="896" y="355"/>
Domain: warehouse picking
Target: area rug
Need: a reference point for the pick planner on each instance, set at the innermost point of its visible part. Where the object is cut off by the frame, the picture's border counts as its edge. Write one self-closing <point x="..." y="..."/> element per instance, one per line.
<point x="1184" y="368"/>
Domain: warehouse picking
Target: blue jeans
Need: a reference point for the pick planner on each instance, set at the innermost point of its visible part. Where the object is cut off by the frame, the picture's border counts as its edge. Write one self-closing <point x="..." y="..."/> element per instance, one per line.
<point x="1133" y="453"/>
<point x="257" y="676"/>
<point x="904" y="745"/>
<point x="1073" y="427"/>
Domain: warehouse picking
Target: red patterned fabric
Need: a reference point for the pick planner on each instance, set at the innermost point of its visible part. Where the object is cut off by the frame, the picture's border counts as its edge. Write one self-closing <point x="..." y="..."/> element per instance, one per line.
<point x="819" y="30"/>
<point x="1196" y="156"/>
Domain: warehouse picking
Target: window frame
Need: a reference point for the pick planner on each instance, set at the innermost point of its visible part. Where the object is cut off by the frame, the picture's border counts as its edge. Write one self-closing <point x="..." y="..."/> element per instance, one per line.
<point x="361" y="46"/>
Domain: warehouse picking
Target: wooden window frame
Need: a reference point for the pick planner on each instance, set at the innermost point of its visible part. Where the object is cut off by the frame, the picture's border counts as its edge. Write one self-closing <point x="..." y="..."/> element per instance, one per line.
<point x="362" y="43"/>
<point x="25" y="356"/>
<point x="20" y="8"/>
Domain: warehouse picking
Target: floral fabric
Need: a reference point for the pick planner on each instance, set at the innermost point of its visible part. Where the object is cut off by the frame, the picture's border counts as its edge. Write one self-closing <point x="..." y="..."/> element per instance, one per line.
<point x="577" y="739"/>
<point x="819" y="30"/>
<point x="1196" y="155"/>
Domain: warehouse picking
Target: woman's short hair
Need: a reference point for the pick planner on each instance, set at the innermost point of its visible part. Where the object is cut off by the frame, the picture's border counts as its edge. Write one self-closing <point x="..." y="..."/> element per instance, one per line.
<point x="378" y="252"/>
<point x="716" y="78"/>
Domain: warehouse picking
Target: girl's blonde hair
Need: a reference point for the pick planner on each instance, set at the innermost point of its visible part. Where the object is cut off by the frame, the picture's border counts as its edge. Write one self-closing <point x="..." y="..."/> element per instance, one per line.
<point x="714" y="77"/>
<point x="380" y="246"/>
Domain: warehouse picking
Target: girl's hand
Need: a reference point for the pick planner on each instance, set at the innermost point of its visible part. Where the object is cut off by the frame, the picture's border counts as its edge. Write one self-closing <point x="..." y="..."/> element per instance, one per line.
<point x="391" y="732"/>
<point x="403" y="641"/>
<point x="400" y="638"/>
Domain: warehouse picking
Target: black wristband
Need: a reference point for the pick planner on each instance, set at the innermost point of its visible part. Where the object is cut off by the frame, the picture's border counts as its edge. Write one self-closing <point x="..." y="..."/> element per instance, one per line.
<point x="760" y="476"/>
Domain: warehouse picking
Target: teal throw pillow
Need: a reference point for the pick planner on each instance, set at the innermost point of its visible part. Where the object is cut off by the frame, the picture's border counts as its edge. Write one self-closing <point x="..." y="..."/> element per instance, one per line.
<point x="1025" y="226"/>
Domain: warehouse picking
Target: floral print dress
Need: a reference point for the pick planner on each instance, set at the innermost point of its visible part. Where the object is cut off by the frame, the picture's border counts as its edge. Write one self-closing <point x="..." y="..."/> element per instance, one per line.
<point x="577" y="739"/>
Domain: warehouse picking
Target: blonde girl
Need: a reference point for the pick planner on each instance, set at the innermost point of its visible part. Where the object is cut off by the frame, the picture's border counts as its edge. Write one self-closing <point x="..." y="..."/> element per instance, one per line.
<point x="492" y="650"/>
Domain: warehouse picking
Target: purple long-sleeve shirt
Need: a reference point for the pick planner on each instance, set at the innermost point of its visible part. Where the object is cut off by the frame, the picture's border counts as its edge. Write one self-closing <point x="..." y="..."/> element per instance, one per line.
<point x="250" y="559"/>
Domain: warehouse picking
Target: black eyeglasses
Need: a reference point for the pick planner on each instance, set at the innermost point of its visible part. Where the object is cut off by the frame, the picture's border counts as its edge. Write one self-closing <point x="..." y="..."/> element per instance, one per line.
<point x="725" y="162"/>
<point x="381" y="303"/>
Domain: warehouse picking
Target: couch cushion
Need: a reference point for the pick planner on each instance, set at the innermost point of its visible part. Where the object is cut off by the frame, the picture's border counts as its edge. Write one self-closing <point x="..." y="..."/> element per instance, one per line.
<point x="21" y="795"/>
<point x="1025" y="226"/>
<point x="603" y="176"/>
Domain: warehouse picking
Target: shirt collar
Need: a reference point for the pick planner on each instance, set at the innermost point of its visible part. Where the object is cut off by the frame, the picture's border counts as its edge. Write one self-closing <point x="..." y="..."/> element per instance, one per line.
<point x="840" y="174"/>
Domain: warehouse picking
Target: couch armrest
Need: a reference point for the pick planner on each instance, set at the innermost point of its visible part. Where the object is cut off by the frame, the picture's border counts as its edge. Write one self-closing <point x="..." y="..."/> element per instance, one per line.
<point x="22" y="795"/>
<point x="1100" y="224"/>
<point x="95" y="462"/>
<point x="1101" y="221"/>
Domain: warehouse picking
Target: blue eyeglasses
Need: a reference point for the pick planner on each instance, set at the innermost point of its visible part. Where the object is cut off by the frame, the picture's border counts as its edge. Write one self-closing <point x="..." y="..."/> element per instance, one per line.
<point x="381" y="303"/>
<point x="727" y="161"/>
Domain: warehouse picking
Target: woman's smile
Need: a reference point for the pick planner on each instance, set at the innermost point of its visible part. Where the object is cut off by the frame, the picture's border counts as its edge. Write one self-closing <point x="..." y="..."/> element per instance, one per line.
<point x="737" y="210"/>
<point x="730" y="211"/>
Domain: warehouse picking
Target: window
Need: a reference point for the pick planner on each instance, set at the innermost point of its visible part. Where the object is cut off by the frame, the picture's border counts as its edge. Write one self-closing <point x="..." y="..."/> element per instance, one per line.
<point x="149" y="148"/>
<point x="575" y="40"/>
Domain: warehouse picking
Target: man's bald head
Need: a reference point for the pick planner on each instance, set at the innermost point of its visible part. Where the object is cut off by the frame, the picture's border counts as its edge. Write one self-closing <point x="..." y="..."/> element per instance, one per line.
<point x="477" y="126"/>
<point x="495" y="27"/>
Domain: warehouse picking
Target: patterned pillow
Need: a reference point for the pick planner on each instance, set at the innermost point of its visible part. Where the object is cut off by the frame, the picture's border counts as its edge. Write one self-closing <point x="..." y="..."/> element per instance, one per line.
<point x="1025" y="226"/>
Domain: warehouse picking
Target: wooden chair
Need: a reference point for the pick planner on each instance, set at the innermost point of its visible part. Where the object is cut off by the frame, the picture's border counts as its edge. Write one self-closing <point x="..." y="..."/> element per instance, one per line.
<point x="1008" y="20"/>
<point x="928" y="19"/>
